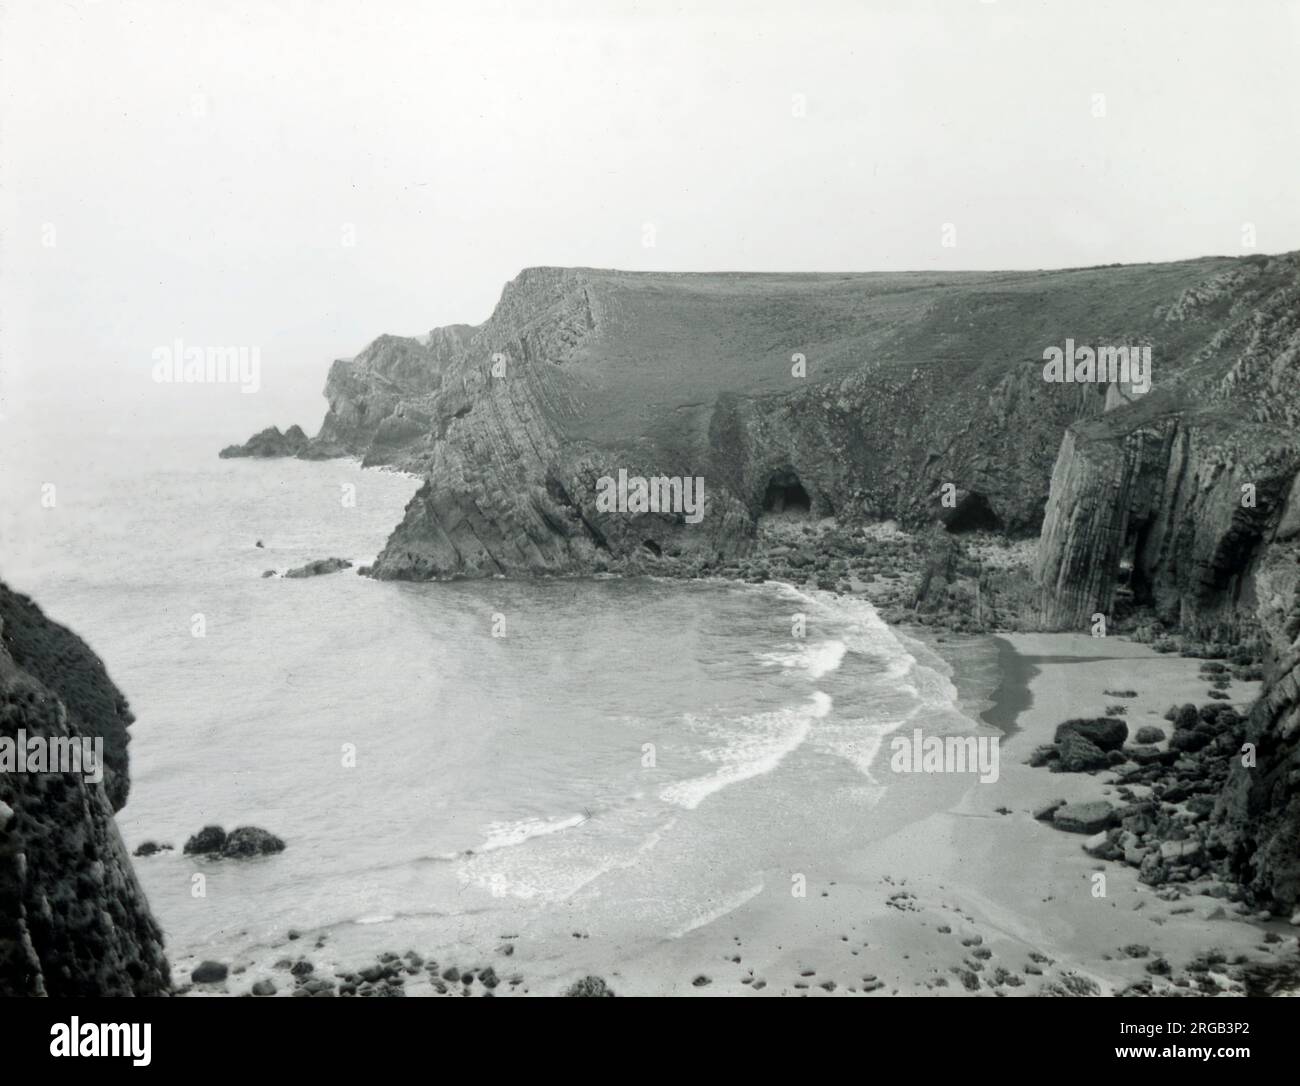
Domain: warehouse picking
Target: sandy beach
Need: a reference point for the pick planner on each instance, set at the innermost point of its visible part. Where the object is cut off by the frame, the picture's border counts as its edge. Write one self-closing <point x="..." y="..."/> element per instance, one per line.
<point x="955" y="890"/>
<point x="979" y="896"/>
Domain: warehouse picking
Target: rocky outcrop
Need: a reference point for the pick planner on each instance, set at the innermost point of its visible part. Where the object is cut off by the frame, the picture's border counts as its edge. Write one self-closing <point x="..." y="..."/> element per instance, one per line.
<point x="915" y="396"/>
<point x="270" y="443"/>
<point x="1257" y="816"/>
<point x="73" y="919"/>
<point x="240" y="843"/>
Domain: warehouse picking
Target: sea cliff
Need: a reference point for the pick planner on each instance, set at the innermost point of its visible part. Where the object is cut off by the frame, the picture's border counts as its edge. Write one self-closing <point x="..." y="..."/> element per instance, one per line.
<point x="73" y="919"/>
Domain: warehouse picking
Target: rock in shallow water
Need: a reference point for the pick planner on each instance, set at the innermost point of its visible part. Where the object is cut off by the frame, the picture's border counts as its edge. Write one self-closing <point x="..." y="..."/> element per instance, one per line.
<point x="319" y="567"/>
<point x="240" y="843"/>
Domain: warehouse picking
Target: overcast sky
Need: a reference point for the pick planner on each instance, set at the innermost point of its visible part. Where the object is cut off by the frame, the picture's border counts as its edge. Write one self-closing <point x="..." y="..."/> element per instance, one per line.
<point x="197" y="169"/>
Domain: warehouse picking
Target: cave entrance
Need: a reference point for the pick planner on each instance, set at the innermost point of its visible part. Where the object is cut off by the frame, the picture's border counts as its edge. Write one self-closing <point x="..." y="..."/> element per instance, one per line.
<point x="785" y="494"/>
<point x="974" y="514"/>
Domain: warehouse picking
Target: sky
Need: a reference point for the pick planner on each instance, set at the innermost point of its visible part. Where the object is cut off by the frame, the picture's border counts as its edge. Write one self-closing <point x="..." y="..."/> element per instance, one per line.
<point x="303" y="176"/>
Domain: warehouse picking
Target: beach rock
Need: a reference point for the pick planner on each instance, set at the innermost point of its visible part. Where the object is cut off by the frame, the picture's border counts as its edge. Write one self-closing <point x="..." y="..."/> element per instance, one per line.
<point x="1149" y="733"/>
<point x="1042" y="756"/>
<point x="1045" y="814"/>
<point x="248" y="841"/>
<point x="209" y="972"/>
<point x="151" y="848"/>
<point x="1144" y="756"/>
<point x="208" y="840"/>
<point x="264" y="988"/>
<point x="1106" y="732"/>
<point x="1089" y="817"/>
<point x="1190" y="740"/>
<point x="590" y="987"/>
<point x="1101" y="846"/>
<point x="319" y="567"/>
<point x="1183" y="852"/>
<point x="1078" y="754"/>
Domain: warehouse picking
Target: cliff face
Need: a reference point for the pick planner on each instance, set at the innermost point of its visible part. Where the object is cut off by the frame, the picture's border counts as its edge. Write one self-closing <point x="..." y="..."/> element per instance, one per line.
<point x="903" y="383"/>
<point x="1184" y="491"/>
<point x="73" y="919"/>
<point x="1192" y="495"/>
<point x="1257" y="817"/>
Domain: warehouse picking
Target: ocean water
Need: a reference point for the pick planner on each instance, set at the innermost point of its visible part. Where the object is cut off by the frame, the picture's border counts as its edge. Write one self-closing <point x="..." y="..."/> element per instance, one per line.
<point x="627" y="758"/>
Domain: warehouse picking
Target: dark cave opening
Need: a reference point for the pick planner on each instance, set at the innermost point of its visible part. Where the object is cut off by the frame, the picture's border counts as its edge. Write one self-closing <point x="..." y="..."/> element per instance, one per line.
<point x="653" y="547"/>
<point x="974" y="514"/>
<point x="785" y="494"/>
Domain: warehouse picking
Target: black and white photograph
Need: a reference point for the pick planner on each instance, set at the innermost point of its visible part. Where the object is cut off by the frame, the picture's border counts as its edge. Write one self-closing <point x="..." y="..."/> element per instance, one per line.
<point x="606" y="498"/>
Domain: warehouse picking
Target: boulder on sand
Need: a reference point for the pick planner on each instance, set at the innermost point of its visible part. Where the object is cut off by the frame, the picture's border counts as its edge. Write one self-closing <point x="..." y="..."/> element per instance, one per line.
<point x="1107" y="732"/>
<point x="209" y="973"/>
<point x="1089" y="817"/>
<point x="1078" y="754"/>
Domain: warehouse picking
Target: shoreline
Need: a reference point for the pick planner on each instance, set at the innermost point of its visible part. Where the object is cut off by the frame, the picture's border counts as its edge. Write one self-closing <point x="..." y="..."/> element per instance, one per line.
<point x="963" y="892"/>
<point x="1013" y="695"/>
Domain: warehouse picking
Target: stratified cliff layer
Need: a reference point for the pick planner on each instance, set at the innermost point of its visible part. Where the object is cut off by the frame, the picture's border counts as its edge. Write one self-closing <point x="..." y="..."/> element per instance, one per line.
<point x="73" y="919"/>
<point x="867" y="393"/>
<point x="1182" y="492"/>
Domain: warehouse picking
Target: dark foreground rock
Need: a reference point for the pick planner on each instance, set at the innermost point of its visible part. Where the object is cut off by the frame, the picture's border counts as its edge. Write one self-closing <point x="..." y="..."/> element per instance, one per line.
<point x="73" y="919"/>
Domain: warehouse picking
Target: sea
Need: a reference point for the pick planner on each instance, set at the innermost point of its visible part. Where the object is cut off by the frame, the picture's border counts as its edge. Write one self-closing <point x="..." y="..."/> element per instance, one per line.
<point x="465" y="760"/>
